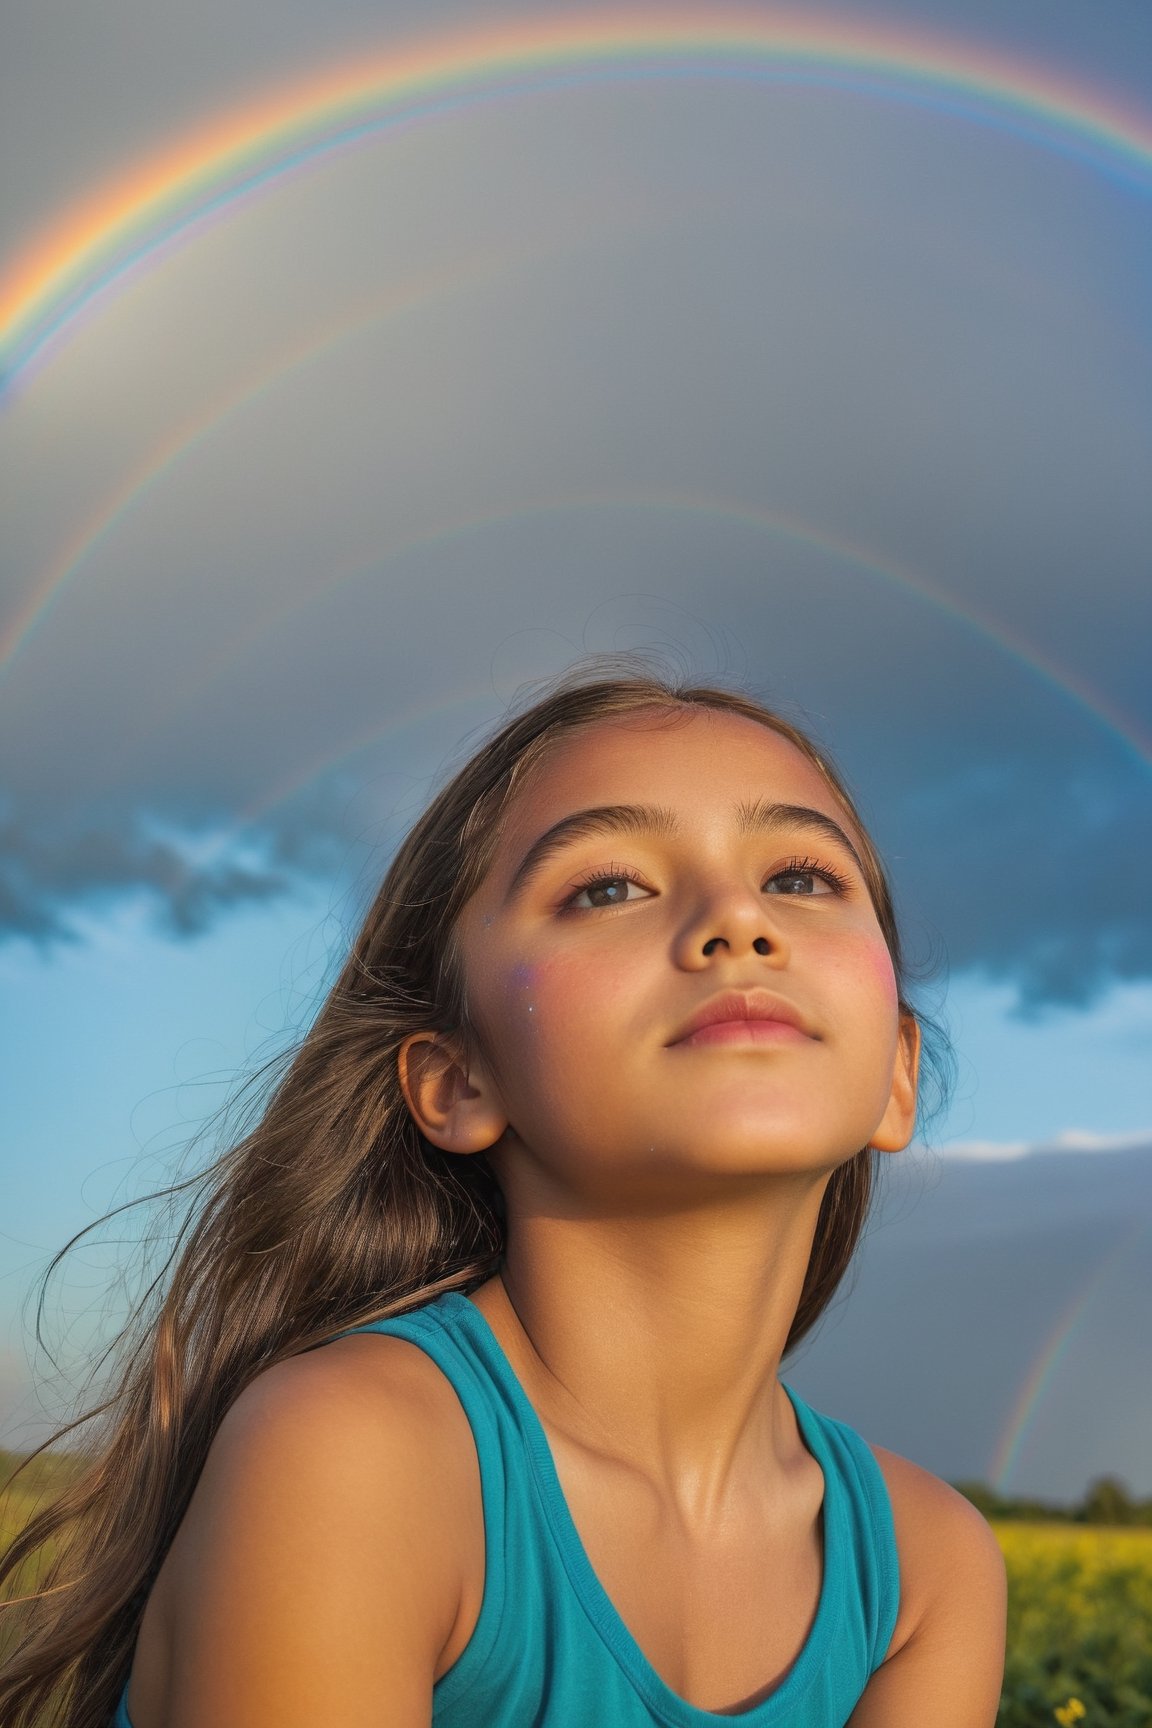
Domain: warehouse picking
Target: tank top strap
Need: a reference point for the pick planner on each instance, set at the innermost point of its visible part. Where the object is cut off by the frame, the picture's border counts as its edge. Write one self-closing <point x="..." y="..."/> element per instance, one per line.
<point x="453" y="1332"/>
<point x="862" y="1541"/>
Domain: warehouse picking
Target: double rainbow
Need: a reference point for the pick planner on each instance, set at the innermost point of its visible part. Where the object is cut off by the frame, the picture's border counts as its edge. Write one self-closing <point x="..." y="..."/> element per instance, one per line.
<point x="96" y="248"/>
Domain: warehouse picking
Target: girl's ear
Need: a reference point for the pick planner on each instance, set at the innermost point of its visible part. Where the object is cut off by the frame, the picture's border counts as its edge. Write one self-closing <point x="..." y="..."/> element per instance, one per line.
<point x="451" y="1097"/>
<point x="899" y="1119"/>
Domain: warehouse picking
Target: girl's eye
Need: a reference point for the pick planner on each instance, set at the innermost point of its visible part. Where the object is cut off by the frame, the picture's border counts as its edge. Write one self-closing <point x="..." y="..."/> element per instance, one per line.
<point x="804" y="876"/>
<point x="606" y="890"/>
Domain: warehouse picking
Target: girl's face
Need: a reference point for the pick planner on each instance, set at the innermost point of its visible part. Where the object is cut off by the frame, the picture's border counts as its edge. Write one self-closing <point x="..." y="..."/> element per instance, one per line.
<point x="648" y="871"/>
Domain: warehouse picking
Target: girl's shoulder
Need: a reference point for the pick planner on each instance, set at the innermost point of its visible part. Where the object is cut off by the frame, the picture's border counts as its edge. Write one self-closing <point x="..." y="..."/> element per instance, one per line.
<point x="367" y="1421"/>
<point x="952" y="1578"/>
<point x="338" y="1514"/>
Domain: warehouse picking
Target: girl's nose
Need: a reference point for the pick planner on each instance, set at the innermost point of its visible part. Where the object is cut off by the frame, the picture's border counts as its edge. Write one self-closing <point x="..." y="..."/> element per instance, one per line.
<point x="733" y="923"/>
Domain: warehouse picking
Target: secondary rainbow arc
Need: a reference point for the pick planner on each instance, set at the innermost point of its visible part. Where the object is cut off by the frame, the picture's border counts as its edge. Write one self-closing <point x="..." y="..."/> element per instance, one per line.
<point x="46" y="592"/>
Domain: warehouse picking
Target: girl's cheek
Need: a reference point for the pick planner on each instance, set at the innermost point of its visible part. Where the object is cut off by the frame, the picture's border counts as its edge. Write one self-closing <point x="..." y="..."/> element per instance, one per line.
<point x="868" y="964"/>
<point x="540" y="988"/>
<point x="522" y="991"/>
<point x="878" y="964"/>
<point x="554" y="991"/>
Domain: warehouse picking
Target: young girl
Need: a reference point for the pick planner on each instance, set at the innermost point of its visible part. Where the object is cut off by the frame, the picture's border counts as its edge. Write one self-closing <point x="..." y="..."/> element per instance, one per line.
<point x="579" y="1146"/>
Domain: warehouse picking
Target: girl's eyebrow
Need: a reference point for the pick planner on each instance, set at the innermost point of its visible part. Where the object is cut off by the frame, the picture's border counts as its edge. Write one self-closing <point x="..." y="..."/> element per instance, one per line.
<point x="654" y="819"/>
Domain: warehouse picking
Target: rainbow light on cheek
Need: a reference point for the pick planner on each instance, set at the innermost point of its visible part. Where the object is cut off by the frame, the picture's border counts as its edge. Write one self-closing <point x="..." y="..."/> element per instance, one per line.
<point x="522" y="982"/>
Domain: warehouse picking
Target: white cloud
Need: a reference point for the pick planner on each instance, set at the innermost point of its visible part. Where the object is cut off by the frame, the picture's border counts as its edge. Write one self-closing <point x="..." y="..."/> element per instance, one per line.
<point x="1070" y="1140"/>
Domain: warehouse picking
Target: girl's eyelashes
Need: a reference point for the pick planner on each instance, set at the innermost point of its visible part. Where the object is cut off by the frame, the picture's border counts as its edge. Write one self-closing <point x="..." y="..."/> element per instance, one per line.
<point x="800" y="875"/>
<point x="610" y="886"/>
<point x="607" y="882"/>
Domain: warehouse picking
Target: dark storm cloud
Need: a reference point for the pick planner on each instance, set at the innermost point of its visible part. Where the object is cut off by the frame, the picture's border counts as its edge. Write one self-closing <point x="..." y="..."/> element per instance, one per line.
<point x="659" y="365"/>
<point x="45" y="878"/>
<point x="1010" y="820"/>
<point x="1035" y="874"/>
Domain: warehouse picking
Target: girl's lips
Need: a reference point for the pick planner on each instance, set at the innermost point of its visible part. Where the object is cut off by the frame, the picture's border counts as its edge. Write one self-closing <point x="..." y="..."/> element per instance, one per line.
<point x="736" y="1010"/>
<point x="745" y="1032"/>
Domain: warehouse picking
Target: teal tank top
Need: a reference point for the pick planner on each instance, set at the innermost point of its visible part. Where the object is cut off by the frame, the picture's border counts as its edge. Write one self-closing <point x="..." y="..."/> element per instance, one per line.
<point x="549" y="1649"/>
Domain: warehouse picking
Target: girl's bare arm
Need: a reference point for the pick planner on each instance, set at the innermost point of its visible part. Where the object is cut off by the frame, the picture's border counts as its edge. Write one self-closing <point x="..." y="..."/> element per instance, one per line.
<point x="318" y="1574"/>
<point x="946" y="1662"/>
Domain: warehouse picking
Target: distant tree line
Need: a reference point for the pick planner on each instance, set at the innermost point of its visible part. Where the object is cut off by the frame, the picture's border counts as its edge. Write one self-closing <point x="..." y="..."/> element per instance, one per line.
<point x="1107" y="1501"/>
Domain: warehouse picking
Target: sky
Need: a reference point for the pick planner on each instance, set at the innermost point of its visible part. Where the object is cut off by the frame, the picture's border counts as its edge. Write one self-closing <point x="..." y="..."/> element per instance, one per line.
<point x="359" y="366"/>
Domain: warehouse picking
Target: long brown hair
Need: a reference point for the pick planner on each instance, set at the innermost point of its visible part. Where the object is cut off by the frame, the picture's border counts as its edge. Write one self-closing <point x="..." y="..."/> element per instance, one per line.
<point x="333" y="1210"/>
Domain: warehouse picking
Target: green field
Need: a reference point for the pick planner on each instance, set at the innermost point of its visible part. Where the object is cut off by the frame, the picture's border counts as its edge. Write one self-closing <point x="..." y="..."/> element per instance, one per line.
<point x="1079" y="1625"/>
<point x="43" y="1478"/>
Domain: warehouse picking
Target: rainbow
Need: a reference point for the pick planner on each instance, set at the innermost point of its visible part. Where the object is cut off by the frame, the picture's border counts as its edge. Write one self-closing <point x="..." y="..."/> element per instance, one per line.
<point x="95" y="247"/>
<point x="1052" y="1355"/>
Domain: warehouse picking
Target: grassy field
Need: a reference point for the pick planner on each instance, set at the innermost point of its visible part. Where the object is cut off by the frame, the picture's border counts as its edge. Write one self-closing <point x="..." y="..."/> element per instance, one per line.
<point x="36" y="1487"/>
<point x="1079" y="1625"/>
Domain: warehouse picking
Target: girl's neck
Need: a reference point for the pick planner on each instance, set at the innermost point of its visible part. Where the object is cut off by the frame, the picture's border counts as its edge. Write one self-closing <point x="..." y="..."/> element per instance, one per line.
<point x="656" y="1340"/>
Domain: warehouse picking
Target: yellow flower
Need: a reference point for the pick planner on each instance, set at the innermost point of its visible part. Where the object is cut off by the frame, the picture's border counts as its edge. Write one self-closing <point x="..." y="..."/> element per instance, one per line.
<point x="1067" y="1714"/>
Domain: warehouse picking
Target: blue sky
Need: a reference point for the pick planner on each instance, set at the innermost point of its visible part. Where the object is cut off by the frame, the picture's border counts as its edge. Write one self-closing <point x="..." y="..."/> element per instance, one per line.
<point x="804" y="384"/>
